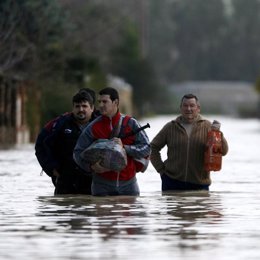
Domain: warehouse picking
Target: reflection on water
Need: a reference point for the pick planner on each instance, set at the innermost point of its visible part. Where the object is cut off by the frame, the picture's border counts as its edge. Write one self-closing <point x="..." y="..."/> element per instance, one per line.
<point x="107" y="217"/>
<point x="114" y="222"/>
<point x="221" y="224"/>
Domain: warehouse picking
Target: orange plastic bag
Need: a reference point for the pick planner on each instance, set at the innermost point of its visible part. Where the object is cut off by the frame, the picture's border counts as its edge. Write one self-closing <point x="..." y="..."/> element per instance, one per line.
<point x="213" y="153"/>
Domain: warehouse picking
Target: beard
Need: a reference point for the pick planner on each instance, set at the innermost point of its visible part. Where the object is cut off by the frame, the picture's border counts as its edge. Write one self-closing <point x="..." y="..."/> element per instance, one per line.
<point x="80" y="116"/>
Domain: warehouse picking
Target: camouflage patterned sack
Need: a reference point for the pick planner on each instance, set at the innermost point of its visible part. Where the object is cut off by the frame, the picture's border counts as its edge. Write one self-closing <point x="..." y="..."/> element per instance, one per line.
<point x="110" y="154"/>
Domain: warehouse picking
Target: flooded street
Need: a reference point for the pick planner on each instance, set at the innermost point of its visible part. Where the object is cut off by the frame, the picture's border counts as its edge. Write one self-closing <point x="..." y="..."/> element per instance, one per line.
<point x="223" y="223"/>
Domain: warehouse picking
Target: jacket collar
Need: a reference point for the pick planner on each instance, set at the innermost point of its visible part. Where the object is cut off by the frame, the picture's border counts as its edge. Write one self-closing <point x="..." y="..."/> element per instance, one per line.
<point x="180" y="119"/>
<point x="114" y="120"/>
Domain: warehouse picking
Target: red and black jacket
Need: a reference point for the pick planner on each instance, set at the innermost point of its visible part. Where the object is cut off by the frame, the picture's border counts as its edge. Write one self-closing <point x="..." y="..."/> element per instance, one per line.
<point x="137" y="146"/>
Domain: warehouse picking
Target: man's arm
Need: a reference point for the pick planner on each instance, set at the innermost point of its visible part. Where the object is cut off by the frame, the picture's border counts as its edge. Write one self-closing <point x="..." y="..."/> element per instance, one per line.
<point x="84" y="141"/>
<point x="157" y="145"/>
<point x="43" y="152"/>
<point x="45" y="144"/>
<point x="141" y="146"/>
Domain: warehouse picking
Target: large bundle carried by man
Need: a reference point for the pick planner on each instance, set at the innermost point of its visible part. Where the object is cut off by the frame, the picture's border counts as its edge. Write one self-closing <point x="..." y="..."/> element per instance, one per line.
<point x="111" y="155"/>
<point x="108" y="153"/>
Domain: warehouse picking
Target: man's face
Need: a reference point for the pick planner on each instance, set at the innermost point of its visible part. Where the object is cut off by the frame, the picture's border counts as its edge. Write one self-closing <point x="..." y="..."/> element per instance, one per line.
<point x="107" y="107"/>
<point x="82" y="111"/>
<point x="190" y="109"/>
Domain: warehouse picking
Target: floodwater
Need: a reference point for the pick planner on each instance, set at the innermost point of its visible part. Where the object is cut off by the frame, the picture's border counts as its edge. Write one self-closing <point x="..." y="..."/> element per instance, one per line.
<point x="223" y="223"/>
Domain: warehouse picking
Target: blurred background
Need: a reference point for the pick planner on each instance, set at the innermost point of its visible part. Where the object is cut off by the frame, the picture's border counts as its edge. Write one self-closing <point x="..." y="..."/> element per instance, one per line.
<point x="152" y="51"/>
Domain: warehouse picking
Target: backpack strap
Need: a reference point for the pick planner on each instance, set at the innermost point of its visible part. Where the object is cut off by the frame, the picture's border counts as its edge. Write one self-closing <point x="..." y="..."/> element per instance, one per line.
<point x="116" y="129"/>
<point x="119" y="128"/>
<point x="124" y="124"/>
<point x="126" y="119"/>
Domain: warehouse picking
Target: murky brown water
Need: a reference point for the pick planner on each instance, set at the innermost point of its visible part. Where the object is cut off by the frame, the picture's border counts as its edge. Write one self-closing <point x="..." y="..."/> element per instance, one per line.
<point x="221" y="224"/>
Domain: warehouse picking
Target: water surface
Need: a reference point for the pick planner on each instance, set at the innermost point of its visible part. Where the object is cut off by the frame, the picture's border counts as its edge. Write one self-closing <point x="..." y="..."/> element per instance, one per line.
<point x="223" y="223"/>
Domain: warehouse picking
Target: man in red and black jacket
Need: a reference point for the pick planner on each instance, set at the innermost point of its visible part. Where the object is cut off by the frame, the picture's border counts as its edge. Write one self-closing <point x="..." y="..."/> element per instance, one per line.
<point x="137" y="147"/>
<point x="56" y="141"/>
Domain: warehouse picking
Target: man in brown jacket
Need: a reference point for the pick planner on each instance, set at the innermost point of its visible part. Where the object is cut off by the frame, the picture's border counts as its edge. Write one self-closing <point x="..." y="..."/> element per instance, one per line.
<point x="185" y="138"/>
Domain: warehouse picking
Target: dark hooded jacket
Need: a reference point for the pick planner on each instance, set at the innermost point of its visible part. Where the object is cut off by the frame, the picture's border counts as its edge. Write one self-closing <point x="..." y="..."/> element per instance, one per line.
<point x="54" y="150"/>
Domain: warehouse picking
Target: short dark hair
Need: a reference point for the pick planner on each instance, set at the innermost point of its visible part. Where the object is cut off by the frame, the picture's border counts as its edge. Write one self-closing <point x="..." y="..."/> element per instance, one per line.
<point x="83" y="96"/>
<point x="113" y="93"/>
<point x="89" y="91"/>
<point x="189" y="96"/>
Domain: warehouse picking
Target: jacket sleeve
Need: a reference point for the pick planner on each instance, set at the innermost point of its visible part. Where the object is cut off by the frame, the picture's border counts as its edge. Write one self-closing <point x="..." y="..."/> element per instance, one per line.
<point x="141" y="146"/>
<point x="43" y="152"/>
<point x="45" y="143"/>
<point x="157" y="144"/>
<point x="84" y="141"/>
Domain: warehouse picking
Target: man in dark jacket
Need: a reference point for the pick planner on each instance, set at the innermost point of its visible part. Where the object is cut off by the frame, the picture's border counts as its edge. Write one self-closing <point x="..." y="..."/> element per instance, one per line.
<point x="55" y="143"/>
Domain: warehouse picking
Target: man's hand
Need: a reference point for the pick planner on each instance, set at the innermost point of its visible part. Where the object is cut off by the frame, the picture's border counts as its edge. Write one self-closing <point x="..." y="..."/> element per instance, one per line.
<point x="97" y="168"/>
<point x="118" y="141"/>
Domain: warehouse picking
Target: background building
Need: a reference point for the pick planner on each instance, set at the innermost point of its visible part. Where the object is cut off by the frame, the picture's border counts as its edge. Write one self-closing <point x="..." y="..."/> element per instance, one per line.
<point x="221" y="97"/>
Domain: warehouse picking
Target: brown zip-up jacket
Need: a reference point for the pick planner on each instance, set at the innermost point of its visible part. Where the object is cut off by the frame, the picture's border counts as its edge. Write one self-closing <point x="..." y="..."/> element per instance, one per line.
<point x="185" y="155"/>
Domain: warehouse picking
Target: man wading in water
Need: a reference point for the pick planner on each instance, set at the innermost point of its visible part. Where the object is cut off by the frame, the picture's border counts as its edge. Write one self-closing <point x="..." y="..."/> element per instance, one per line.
<point x="105" y="181"/>
<point x="55" y="144"/>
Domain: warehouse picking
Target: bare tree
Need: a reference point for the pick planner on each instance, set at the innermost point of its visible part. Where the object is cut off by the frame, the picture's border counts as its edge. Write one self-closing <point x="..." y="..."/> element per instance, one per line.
<point x="14" y="46"/>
